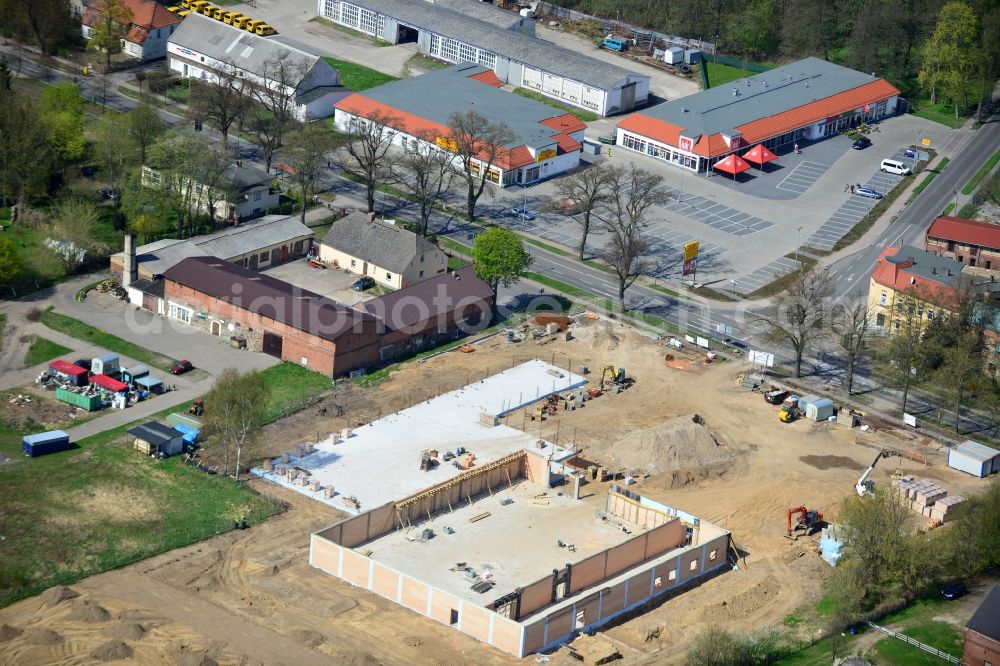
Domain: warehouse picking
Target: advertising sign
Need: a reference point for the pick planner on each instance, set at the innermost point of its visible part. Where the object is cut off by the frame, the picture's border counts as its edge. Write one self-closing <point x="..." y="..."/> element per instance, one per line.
<point x="690" y="258"/>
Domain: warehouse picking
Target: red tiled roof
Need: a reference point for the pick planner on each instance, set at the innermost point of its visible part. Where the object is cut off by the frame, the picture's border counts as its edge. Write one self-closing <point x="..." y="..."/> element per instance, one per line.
<point x="764" y="128"/>
<point x="896" y="277"/>
<point x="147" y="15"/>
<point x="566" y="143"/>
<point x="488" y="77"/>
<point x="968" y="232"/>
<point x="565" y="123"/>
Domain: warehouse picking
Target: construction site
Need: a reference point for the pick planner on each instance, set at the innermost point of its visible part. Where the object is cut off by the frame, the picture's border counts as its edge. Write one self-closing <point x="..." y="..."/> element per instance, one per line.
<point x="482" y="523"/>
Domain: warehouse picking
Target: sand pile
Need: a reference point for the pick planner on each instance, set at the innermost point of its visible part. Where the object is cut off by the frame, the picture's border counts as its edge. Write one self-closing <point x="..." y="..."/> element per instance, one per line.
<point x="307" y="637"/>
<point x="131" y="631"/>
<point x="195" y="659"/>
<point x="9" y="633"/>
<point x="44" y="637"/>
<point x="683" y="446"/>
<point x="56" y="595"/>
<point x="112" y="651"/>
<point x="88" y="611"/>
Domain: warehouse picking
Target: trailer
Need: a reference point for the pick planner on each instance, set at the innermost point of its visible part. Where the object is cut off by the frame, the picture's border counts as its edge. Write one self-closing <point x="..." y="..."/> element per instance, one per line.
<point x="89" y="402"/>
<point x="69" y="373"/>
<point x="44" y="443"/>
<point x="106" y="364"/>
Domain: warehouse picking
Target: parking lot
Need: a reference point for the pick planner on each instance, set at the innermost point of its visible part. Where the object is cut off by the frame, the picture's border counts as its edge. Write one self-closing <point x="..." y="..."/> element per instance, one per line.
<point x="330" y="282"/>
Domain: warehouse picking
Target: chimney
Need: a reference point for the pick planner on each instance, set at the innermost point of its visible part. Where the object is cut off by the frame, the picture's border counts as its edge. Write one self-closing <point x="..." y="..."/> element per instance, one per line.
<point x="130" y="267"/>
<point x="913" y="280"/>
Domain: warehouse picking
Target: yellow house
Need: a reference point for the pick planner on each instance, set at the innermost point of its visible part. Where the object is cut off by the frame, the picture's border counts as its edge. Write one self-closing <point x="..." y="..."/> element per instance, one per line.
<point x="933" y="282"/>
<point x="386" y="252"/>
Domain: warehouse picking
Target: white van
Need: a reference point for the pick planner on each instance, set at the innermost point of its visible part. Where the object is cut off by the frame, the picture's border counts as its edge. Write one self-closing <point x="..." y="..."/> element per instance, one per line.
<point x="896" y="167"/>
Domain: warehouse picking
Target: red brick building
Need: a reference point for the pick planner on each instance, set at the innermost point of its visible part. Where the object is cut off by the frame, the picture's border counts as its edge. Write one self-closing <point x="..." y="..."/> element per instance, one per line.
<point x="982" y="633"/>
<point x="972" y="242"/>
<point x="270" y="315"/>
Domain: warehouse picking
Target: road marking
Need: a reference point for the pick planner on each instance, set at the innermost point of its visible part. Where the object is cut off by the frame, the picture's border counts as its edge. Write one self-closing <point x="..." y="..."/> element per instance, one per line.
<point x="850" y="278"/>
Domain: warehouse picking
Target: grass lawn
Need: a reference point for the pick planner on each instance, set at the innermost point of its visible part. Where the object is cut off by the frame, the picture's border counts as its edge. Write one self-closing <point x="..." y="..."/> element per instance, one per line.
<point x="42" y="350"/>
<point x="358" y="77"/>
<point x="941" y="635"/>
<point x="722" y="74"/>
<point x="931" y="174"/>
<point x="102" y="505"/>
<point x="938" y="113"/>
<point x="454" y="263"/>
<point x="983" y="170"/>
<point x="77" y="329"/>
<point x="3" y="325"/>
<point x="292" y="387"/>
<point x="582" y="114"/>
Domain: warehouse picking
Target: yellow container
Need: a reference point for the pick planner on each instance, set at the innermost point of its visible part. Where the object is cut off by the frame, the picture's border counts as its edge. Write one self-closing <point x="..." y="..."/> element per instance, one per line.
<point x="197" y="5"/>
<point x="265" y="30"/>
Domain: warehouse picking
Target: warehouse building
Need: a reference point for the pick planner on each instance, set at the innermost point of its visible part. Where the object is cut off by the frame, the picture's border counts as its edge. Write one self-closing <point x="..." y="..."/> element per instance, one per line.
<point x="546" y="141"/>
<point x="464" y="31"/>
<point x="972" y="241"/>
<point x="203" y="48"/>
<point x="806" y="100"/>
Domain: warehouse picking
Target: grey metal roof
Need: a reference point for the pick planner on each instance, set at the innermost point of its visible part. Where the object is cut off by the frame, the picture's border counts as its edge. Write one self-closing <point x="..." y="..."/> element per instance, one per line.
<point x="317" y="92"/>
<point x="929" y="265"/>
<point x="483" y="11"/>
<point x="244" y="177"/>
<point x="441" y="294"/>
<point x="455" y="92"/>
<point x="228" y="243"/>
<point x="760" y="96"/>
<point x="385" y="245"/>
<point x="155" y="433"/>
<point x="244" y="49"/>
<point x="986" y="619"/>
<point x="521" y="48"/>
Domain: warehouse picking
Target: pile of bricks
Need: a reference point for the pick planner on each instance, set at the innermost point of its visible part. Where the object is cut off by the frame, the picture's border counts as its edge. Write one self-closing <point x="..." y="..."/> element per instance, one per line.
<point x="926" y="498"/>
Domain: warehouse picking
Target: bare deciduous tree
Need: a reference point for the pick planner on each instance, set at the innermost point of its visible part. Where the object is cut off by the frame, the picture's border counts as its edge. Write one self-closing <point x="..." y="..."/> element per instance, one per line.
<point x="477" y="143"/>
<point x="75" y="221"/>
<point x="115" y="150"/>
<point x="275" y="114"/>
<point x="222" y="100"/>
<point x="426" y="173"/>
<point x="906" y="345"/>
<point x="306" y="156"/>
<point x="586" y="188"/>
<point x="369" y="138"/>
<point x="797" y="316"/>
<point x="852" y="323"/>
<point x="145" y="126"/>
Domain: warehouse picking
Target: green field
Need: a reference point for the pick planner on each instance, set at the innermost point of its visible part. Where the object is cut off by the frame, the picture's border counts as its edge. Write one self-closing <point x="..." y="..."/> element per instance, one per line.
<point x="358" y="77"/>
<point x="81" y="331"/>
<point x="42" y="350"/>
<point x="292" y="387"/>
<point x="981" y="173"/>
<point x="722" y="74"/>
<point x="941" y="635"/>
<point x="938" y="113"/>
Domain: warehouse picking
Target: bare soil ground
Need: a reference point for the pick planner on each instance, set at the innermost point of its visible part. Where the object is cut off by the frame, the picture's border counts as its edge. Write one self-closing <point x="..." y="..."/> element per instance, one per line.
<point x="251" y="597"/>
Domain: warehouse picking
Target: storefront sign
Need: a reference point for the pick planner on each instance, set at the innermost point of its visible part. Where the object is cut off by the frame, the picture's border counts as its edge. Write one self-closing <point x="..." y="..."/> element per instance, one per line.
<point x="547" y="154"/>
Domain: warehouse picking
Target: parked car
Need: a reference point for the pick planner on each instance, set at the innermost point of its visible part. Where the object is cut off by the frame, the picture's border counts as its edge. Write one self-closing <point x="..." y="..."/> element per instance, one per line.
<point x="867" y="192"/>
<point x="180" y="367"/>
<point x="911" y="153"/>
<point x="521" y="213"/>
<point x="953" y="591"/>
<point x="109" y="194"/>
<point x="363" y="284"/>
<point x="862" y="143"/>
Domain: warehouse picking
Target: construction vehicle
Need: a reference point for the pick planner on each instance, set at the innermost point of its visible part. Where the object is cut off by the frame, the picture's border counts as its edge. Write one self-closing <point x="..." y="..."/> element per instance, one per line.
<point x="866" y="486"/>
<point x="789" y="414"/>
<point x="197" y="407"/>
<point x="807" y="521"/>
<point x="616" y="379"/>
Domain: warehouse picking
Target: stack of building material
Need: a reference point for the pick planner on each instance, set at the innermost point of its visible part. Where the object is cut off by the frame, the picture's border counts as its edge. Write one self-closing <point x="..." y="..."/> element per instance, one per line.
<point x="919" y="495"/>
<point x="831" y="550"/>
<point x="944" y="506"/>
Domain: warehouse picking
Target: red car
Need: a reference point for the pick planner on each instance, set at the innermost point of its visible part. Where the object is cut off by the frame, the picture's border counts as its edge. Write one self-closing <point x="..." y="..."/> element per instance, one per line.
<point x="180" y="367"/>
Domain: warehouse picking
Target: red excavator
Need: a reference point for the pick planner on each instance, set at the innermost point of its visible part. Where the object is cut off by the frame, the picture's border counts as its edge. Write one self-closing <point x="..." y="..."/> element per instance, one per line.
<point x="807" y="521"/>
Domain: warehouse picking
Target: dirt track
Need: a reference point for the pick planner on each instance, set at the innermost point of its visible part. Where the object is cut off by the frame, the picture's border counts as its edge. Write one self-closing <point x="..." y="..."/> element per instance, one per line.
<point x="251" y="597"/>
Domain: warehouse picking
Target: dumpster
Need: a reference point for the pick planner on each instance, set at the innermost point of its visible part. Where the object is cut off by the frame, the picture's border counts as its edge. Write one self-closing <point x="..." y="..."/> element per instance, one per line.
<point x="88" y="402"/>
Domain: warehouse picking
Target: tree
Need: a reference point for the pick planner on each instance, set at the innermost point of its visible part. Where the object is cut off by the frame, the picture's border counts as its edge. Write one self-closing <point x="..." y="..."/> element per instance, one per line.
<point x="77" y="222"/>
<point x="233" y="413"/>
<point x="587" y="188"/>
<point x="852" y="323"/>
<point x="147" y="209"/>
<point x="797" y="316"/>
<point x="963" y="366"/>
<point x="630" y="195"/>
<point x="976" y="532"/>
<point x="950" y="55"/>
<point x="478" y="144"/>
<point x="426" y="173"/>
<point x="49" y="22"/>
<point x="114" y="148"/>
<point x="62" y="108"/>
<point x="112" y="27"/>
<point x="275" y="113"/>
<point x="369" y="138"/>
<point x="906" y="345"/>
<point x="178" y="160"/>
<point x="499" y="257"/>
<point x="10" y="261"/>
<point x="222" y="100"/>
<point x="145" y="126"/>
<point x="306" y="156"/>
<point x="23" y="132"/>
<point x="716" y="646"/>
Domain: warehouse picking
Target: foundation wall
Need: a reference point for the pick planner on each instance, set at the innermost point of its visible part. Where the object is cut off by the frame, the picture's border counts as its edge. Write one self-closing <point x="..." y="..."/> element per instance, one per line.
<point x="635" y="513"/>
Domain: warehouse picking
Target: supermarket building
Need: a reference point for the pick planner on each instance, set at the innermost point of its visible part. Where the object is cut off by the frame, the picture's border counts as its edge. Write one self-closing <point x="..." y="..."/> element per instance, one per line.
<point x="806" y="100"/>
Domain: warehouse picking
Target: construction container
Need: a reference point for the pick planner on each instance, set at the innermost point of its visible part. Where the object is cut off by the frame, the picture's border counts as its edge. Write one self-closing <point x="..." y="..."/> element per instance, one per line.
<point x="44" y="442"/>
<point x="90" y="403"/>
<point x="692" y="56"/>
<point x="68" y="372"/>
<point x="974" y="458"/>
<point x="108" y="383"/>
<point x="129" y="375"/>
<point x="819" y="409"/>
<point x="106" y="364"/>
<point x="674" y="55"/>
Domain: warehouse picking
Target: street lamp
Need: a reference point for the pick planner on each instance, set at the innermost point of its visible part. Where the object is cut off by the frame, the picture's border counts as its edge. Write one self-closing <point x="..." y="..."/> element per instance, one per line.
<point x="735" y="285"/>
<point x="798" y="244"/>
<point x="956" y="202"/>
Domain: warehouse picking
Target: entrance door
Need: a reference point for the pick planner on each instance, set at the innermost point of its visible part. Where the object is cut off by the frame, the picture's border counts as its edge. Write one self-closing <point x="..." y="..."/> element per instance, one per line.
<point x="149" y="303"/>
<point x="628" y="97"/>
<point x="284" y="253"/>
<point x="253" y="261"/>
<point x="364" y="269"/>
<point x="272" y="344"/>
<point x="216" y="328"/>
<point x="275" y="255"/>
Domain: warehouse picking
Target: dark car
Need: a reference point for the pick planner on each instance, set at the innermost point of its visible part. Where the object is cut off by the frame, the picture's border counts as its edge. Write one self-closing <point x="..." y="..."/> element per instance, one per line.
<point x="521" y="213"/>
<point x="82" y="363"/>
<point x="180" y="367"/>
<point x="953" y="591"/>
<point x="868" y="193"/>
<point x="110" y="194"/>
<point x="363" y="284"/>
<point x="861" y="143"/>
<point x="910" y="152"/>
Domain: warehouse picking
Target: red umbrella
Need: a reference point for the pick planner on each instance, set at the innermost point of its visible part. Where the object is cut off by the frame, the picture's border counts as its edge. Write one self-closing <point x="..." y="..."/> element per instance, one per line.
<point x="733" y="164"/>
<point x="759" y="154"/>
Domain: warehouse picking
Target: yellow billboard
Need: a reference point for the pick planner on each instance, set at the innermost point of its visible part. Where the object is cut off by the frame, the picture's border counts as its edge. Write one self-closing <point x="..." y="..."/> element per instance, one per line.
<point x="690" y="250"/>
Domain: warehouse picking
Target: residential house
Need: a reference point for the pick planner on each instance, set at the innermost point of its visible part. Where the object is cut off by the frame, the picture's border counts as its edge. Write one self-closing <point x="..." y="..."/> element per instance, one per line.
<point x="206" y="49"/>
<point x="387" y="252"/>
<point x="973" y="242"/>
<point x="150" y="29"/>
<point x="935" y="284"/>
<point x="243" y="192"/>
<point x="982" y="632"/>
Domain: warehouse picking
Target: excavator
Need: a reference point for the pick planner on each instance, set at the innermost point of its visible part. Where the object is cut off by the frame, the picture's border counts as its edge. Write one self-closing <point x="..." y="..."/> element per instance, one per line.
<point x="616" y="379"/>
<point x="866" y="486"/>
<point x="807" y="521"/>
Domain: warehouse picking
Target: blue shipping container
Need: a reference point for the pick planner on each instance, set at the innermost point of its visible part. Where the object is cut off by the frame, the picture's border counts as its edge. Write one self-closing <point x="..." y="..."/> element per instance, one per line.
<point x="44" y="442"/>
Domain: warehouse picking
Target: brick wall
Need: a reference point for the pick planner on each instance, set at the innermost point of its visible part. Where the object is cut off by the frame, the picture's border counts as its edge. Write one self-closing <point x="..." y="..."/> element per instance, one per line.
<point x="980" y="649"/>
<point x="971" y="255"/>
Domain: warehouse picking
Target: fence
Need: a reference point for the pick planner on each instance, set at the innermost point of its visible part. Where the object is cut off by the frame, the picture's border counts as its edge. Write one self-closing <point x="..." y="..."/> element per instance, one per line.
<point x="906" y="639"/>
<point x="738" y="63"/>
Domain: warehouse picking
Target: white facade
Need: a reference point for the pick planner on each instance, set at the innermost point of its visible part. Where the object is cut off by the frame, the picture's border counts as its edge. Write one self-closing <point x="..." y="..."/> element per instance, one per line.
<point x="548" y="162"/>
<point x="153" y="48"/>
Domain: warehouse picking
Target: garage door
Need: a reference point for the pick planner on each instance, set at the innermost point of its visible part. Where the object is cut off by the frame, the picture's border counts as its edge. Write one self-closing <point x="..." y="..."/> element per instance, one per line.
<point x="150" y="302"/>
<point x="272" y="344"/>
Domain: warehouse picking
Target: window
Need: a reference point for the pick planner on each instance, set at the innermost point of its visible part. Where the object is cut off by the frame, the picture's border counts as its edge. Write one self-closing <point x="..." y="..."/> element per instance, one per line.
<point x="657" y="582"/>
<point x="880" y="320"/>
<point x="449" y="49"/>
<point x="353" y="263"/>
<point x="883" y="299"/>
<point x="304" y="361"/>
<point x="256" y="196"/>
<point x="263" y="256"/>
<point x="896" y="324"/>
<point x="467" y="53"/>
<point x="930" y="313"/>
<point x="421" y="258"/>
<point x="694" y="565"/>
<point x="672" y="574"/>
<point x="388" y="276"/>
<point x="454" y="617"/>
<point x="421" y="274"/>
<point x="581" y="619"/>
<point x="181" y="313"/>
<point x="712" y="554"/>
<point x="487" y="59"/>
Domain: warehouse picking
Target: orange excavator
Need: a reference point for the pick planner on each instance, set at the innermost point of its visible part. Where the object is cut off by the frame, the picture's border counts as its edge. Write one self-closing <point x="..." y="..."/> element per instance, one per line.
<point x="807" y="521"/>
